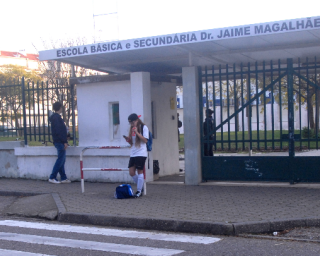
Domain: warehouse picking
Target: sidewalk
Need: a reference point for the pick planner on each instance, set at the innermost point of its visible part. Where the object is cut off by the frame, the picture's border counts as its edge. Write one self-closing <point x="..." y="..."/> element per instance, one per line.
<point x="218" y="209"/>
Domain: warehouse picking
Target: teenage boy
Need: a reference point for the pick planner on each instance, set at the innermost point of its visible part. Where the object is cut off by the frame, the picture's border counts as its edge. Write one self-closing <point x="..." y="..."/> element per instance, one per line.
<point x="59" y="136"/>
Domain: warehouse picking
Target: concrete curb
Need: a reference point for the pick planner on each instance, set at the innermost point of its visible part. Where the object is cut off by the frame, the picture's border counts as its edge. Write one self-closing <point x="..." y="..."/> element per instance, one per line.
<point x="59" y="204"/>
<point x="213" y="228"/>
<point x="274" y="225"/>
<point x="150" y="224"/>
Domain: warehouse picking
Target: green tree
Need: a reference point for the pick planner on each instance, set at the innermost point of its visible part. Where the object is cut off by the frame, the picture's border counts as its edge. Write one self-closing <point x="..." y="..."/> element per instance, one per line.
<point x="304" y="93"/>
<point x="310" y="96"/>
<point x="12" y="73"/>
<point x="11" y="93"/>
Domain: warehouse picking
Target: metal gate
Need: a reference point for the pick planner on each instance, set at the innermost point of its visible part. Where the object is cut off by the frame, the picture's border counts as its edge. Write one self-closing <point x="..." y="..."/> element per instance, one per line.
<point x="271" y="108"/>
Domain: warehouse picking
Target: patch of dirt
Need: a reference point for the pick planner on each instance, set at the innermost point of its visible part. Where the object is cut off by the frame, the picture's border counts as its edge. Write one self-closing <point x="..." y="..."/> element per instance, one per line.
<point x="311" y="233"/>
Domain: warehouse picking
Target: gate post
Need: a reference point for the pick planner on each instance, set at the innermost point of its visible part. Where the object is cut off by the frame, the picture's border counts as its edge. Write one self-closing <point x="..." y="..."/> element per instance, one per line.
<point x="290" y="107"/>
<point x="72" y="107"/>
<point x="73" y="115"/>
<point x="191" y="122"/>
<point x="24" y="112"/>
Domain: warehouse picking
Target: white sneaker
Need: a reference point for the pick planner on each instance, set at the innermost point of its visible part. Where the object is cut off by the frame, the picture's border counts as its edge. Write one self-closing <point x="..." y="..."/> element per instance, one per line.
<point x="54" y="181"/>
<point x="66" y="181"/>
<point x="137" y="194"/>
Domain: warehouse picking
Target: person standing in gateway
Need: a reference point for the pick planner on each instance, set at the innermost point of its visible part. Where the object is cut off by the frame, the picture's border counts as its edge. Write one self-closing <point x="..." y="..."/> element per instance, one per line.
<point x="209" y="133"/>
<point x="179" y="126"/>
<point x="59" y="136"/>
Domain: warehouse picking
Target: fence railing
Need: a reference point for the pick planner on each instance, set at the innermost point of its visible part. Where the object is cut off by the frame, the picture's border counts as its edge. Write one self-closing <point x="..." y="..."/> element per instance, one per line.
<point x="26" y="107"/>
<point x="11" y="116"/>
<point x="288" y="97"/>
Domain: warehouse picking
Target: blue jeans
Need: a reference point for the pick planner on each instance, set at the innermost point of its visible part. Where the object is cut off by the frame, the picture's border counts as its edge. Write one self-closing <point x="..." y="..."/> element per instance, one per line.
<point x="59" y="165"/>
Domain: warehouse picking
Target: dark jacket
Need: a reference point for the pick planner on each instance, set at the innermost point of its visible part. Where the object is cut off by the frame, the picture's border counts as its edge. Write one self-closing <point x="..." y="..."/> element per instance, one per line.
<point x="58" y="129"/>
<point x="208" y="127"/>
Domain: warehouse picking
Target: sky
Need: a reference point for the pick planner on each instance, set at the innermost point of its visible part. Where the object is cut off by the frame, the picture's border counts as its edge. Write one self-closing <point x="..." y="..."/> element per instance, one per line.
<point x="35" y="25"/>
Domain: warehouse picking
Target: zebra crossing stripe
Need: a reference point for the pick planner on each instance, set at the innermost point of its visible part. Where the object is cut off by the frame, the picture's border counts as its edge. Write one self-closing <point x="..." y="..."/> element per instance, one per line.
<point x="19" y="253"/>
<point x="113" y="232"/>
<point x="88" y="245"/>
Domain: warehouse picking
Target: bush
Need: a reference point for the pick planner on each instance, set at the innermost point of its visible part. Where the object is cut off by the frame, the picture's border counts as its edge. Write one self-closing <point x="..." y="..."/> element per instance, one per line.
<point x="307" y="133"/>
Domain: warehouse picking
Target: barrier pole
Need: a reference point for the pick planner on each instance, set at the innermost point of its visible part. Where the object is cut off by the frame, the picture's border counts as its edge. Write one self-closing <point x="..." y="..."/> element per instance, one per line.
<point x="81" y="170"/>
<point x="144" y="182"/>
<point x="99" y="169"/>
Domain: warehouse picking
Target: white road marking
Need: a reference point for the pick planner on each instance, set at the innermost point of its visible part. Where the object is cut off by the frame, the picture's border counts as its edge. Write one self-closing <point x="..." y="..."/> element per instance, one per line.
<point x="19" y="253"/>
<point x="88" y="245"/>
<point x="113" y="232"/>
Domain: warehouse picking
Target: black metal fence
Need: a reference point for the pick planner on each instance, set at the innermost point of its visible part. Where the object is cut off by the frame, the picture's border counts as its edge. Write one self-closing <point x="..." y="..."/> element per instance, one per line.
<point x="11" y="110"/>
<point x="267" y="106"/>
<point x="254" y="106"/>
<point x="26" y="107"/>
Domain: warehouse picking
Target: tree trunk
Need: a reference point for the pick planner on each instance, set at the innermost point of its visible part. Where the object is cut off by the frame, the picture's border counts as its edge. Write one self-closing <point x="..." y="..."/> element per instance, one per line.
<point x="248" y="112"/>
<point x="237" y="103"/>
<point x="17" y="124"/>
<point x="310" y="111"/>
<point x="317" y="109"/>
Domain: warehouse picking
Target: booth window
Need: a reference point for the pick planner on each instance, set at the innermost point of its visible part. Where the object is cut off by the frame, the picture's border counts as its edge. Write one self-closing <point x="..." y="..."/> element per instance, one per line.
<point x="115" y="121"/>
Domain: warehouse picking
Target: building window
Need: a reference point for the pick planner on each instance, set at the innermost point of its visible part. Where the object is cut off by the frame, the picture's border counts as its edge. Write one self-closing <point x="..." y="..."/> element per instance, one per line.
<point x="115" y="121"/>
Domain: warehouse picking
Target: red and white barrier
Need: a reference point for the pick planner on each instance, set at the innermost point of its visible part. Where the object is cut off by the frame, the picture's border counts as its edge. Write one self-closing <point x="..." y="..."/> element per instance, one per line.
<point x="105" y="169"/>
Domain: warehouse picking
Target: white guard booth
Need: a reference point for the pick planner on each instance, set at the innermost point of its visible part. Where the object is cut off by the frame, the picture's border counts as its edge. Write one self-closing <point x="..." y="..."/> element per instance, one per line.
<point x="104" y="104"/>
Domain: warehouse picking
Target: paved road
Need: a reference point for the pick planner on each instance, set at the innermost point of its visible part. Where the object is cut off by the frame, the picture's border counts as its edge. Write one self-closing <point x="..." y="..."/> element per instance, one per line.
<point x="33" y="238"/>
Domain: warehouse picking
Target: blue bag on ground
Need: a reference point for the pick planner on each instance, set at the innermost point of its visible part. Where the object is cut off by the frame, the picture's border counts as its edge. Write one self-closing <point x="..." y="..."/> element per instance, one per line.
<point x="123" y="191"/>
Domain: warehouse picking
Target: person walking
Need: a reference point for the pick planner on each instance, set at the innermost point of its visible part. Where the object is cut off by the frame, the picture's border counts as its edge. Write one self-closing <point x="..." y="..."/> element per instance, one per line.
<point x="138" y="137"/>
<point x="59" y="136"/>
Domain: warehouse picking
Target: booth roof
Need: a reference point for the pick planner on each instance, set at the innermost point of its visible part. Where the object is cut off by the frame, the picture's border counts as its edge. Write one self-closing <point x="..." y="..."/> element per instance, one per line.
<point x="167" y="54"/>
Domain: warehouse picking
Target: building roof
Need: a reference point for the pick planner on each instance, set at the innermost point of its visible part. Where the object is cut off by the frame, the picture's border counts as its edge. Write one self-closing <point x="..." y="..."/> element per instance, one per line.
<point x="29" y="56"/>
<point x="167" y="54"/>
<point x="32" y="56"/>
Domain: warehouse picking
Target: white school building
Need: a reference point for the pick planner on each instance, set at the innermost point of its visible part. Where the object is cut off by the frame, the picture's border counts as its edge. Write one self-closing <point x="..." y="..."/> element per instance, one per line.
<point x="143" y="76"/>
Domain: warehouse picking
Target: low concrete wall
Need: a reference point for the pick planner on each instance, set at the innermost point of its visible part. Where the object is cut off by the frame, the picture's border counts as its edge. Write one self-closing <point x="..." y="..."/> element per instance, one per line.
<point x="37" y="163"/>
<point x="8" y="160"/>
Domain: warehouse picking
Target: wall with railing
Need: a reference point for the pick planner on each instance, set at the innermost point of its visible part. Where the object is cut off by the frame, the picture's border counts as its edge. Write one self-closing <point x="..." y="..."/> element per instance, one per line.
<point x="25" y="108"/>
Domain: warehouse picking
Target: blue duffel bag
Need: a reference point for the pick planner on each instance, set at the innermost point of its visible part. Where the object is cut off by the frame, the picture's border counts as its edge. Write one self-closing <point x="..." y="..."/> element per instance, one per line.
<point x="123" y="191"/>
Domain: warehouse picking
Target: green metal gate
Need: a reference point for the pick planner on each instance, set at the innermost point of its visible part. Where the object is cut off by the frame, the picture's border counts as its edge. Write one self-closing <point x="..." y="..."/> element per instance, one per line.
<point x="265" y="107"/>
